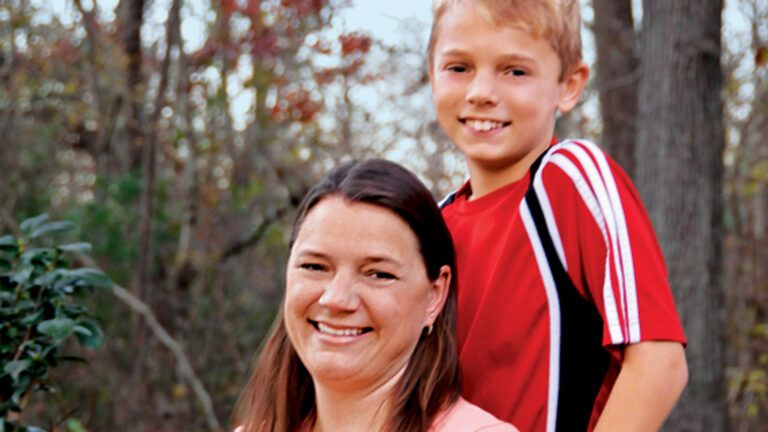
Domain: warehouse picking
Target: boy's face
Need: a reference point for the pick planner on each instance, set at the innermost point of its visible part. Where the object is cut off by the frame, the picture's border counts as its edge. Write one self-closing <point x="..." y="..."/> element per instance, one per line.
<point x="496" y="90"/>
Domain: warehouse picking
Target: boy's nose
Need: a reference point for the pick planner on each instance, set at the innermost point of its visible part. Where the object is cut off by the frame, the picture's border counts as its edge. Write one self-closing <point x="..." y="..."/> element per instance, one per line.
<point x="340" y="293"/>
<point x="481" y="91"/>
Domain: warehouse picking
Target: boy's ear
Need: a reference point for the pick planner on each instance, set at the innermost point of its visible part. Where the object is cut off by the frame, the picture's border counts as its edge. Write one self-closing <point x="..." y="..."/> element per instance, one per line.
<point x="572" y="86"/>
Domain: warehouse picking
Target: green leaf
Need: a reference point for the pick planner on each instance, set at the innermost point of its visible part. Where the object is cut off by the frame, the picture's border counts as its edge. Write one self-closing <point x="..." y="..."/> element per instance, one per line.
<point x="30" y="224"/>
<point x="93" y="277"/>
<point x="52" y="227"/>
<point x="89" y="334"/>
<point x="31" y="318"/>
<point x="21" y="277"/>
<point x="74" y="425"/>
<point x="7" y="297"/>
<point x="51" y="277"/>
<point x="16" y="367"/>
<point x="22" y="305"/>
<point x="82" y="331"/>
<point x="58" y="329"/>
<point x="5" y="265"/>
<point x="8" y="243"/>
<point x="76" y="247"/>
<point x="37" y="254"/>
<point x="20" y="388"/>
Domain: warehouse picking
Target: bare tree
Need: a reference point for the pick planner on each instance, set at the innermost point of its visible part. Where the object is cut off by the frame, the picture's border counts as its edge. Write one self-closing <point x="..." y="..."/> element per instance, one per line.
<point x="680" y="143"/>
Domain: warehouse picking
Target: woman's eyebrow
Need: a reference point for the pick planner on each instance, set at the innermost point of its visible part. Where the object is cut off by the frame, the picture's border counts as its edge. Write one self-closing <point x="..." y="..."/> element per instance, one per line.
<point x="311" y="253"/>
<point x="374" y="259"/>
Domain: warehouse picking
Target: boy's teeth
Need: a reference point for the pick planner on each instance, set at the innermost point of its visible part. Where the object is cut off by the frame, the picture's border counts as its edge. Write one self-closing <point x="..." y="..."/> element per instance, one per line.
<point x="338" y="332"/>
<point x="483" y="125"/>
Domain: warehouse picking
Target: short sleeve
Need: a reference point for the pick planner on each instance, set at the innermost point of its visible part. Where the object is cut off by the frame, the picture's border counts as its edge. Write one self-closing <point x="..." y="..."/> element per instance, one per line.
<point x="606" y="243"/>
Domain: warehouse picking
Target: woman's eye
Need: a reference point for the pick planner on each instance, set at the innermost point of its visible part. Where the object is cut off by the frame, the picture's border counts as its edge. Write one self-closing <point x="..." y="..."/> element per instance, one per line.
<point x="312" y="266"/>
<point x="381" y="275"/>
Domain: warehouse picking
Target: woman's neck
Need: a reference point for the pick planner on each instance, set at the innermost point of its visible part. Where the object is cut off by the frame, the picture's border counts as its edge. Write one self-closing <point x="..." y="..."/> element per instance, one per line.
<point x="366" y="409"/>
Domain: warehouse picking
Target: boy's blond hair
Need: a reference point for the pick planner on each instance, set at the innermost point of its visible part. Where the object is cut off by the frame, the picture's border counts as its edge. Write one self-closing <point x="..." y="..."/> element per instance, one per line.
<point x="557" y="21"/>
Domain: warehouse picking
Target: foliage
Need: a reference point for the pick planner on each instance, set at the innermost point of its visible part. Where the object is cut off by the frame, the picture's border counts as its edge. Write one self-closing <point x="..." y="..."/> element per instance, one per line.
<point x="266" y="95"/>
<point x="40" y="308"/>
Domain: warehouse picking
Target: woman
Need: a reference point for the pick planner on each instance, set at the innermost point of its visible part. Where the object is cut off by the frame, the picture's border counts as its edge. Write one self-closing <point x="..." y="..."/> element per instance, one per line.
<point x="365" y="338"/>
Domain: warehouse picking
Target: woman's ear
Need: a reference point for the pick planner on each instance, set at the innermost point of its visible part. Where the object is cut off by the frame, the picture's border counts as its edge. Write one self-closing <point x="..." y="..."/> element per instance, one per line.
<point x="572" y="85"/>
<point x="438" y="294"/>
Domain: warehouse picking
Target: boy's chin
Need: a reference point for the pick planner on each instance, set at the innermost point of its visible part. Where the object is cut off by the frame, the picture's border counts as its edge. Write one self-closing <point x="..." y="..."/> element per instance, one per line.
<point x="492" y="163"/>
<point x="492" y="160"/>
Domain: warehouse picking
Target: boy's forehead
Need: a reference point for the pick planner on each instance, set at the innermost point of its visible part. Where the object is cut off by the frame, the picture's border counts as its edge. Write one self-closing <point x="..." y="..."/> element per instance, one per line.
<point x="458" y="11"/>
<point x="459" y="7"/>
<point x="492" y="13"/>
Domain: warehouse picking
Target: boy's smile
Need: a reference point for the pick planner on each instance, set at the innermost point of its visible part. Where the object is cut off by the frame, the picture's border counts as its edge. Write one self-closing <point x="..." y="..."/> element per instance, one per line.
<point x="484" y="125"/>
<point x="496" y="101"/>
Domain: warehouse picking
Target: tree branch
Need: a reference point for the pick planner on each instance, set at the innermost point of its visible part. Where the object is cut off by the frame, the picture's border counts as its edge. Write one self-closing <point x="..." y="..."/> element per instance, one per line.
<point x="184" y="366"/>
<point x="241" y="246"/>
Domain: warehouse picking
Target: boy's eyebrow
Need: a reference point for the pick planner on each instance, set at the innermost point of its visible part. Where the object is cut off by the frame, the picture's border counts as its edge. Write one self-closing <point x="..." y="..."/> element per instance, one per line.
<point x="518" y="58"/>
<point x="456" y="52"/>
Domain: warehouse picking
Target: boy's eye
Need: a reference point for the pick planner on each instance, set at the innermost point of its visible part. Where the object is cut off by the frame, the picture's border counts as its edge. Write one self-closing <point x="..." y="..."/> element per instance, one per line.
<point x="457" y="68"/>
<point x="516" y="71"/>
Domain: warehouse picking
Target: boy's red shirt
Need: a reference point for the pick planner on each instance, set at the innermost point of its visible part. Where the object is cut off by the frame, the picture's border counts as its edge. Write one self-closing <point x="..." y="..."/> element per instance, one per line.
<point x="541" y="348"/>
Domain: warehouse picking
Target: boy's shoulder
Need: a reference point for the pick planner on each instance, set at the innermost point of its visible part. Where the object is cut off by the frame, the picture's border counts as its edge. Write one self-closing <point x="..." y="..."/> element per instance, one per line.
<point x="572" y="167"/>
<point x="582" y="164"/>
<point x="582" y="153"/>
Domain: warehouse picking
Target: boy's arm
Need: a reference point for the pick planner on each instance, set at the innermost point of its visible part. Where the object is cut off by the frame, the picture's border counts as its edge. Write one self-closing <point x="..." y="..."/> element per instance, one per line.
<point x="653" y="374"/>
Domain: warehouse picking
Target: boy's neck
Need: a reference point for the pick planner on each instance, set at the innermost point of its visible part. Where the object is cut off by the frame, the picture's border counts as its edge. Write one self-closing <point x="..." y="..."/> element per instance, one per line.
<point x="485" y="179"/>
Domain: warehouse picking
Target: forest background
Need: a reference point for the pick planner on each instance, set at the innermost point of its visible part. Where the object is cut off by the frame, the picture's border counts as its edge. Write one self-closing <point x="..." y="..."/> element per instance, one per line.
<point x="179" y="136"/>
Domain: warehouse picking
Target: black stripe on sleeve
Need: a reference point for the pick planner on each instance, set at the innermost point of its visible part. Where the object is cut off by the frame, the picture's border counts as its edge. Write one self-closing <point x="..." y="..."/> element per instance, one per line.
<point x="583" y="360"/>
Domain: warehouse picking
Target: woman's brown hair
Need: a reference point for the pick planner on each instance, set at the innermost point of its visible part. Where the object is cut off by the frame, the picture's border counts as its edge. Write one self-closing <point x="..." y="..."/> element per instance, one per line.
<point x="279" y="395"/>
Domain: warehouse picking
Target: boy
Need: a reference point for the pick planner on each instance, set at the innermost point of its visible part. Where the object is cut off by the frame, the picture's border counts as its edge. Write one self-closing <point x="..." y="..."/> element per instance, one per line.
<point x="566" y="320"/>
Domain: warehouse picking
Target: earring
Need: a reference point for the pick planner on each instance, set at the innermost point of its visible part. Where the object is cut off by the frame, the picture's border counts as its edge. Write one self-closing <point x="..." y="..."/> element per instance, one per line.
<point x="429" y="329"/>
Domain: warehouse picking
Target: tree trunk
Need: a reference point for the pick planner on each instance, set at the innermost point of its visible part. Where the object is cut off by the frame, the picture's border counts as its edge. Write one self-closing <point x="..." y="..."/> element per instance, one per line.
<point x="150" y="159"/>
<point x="616" y="79"/>
<point x="130" y="21"/>
<point x="131" y="18"/>
<point x="679" y="175"/>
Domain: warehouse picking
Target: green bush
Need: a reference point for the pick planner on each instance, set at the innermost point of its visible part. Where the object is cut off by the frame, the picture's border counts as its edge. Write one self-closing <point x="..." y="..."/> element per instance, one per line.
<point x="39" y="310"/>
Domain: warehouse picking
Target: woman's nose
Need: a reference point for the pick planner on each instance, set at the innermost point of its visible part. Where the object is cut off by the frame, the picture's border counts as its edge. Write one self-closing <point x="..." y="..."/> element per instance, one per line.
<point x="340" y="293"/>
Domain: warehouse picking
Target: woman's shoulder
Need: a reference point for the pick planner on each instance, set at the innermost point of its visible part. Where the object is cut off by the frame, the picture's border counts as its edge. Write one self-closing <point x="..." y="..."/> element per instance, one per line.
<point x="463" y="416"/>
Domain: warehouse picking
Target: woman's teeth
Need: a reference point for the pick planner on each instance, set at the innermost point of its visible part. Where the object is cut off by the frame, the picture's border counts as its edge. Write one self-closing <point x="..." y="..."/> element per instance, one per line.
<point x="339" y="332"/>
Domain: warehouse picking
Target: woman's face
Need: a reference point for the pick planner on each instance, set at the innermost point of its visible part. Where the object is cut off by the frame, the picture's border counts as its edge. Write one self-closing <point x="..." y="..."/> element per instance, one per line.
<point x="357" y="294"/>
